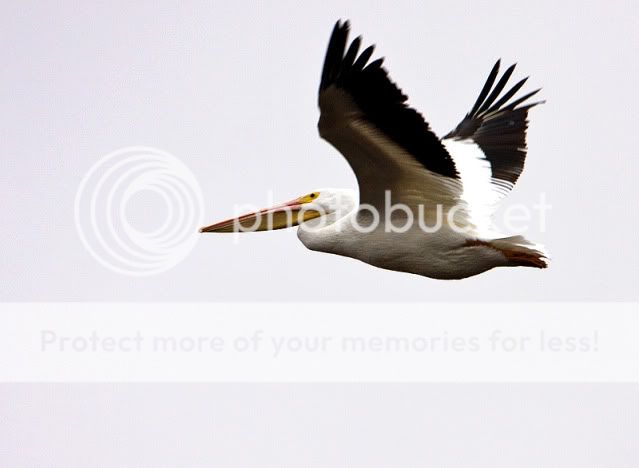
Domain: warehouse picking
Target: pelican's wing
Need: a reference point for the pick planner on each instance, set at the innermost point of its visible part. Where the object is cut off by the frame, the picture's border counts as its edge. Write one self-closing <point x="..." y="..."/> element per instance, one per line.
<point x="388" y="144"/>
<point x="489" y="144"/>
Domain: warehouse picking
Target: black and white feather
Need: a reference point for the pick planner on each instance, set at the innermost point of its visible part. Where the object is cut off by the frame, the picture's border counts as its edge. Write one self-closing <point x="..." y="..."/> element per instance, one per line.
<point x="390" y="146"/>
<point x="498" y="126"/>
<point x="380" y="102"/>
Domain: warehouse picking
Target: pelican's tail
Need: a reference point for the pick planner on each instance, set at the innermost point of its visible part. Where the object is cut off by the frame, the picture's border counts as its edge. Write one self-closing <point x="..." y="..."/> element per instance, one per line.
<point x="519" y="251"/>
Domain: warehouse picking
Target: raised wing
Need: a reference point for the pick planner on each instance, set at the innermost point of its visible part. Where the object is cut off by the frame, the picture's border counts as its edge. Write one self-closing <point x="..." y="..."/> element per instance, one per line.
<point x="499" y="127"/>
<point x="489" y="147"/>
<point x="388" y="144"/>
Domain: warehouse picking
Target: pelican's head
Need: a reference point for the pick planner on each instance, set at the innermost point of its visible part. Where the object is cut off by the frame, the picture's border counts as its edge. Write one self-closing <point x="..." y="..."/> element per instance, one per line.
<point x="314" y="209"/>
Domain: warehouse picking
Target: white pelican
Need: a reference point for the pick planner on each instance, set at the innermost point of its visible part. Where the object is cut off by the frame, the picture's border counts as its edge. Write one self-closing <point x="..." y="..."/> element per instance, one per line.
<point x="409" y="179"/>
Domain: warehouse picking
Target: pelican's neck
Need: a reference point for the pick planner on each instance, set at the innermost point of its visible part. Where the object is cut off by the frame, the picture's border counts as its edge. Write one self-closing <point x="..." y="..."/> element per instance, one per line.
<point x="322" y="233"/>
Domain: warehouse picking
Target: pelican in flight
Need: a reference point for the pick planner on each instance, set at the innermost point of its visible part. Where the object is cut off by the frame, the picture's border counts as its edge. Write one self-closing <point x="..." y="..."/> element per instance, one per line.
<point x="424" y="204"/>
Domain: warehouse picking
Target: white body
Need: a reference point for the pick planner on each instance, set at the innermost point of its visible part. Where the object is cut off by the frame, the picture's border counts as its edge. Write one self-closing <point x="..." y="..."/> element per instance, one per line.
<point x="440" y="255"/>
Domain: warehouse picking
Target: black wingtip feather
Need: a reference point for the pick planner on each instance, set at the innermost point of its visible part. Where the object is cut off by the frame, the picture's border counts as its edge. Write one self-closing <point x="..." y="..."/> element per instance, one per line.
<point x="499" y="126"/>
<point x="335" y="52"/>
<point x="487" y="86"/>
<point x="375" y="64"/>
<point x="513" y="105"/>
<point x="507" y="96"/>
<point x="351" y="54"/>
<point x="498" y="89"/>
<point x="363" y="58"/>
<point x="382" y="103"/>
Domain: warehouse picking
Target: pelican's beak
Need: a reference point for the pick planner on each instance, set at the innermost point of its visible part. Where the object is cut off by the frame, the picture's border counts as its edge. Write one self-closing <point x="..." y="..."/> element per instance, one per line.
<point x="287" y="214"/>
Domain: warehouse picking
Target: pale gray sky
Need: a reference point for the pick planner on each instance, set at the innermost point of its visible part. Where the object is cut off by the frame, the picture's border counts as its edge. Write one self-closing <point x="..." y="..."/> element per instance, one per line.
<point x="230" y="89"/>
<point x="320" y="426"/>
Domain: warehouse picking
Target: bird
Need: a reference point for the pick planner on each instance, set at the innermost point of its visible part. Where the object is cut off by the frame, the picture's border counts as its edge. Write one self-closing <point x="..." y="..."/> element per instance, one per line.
<point x="424" y="204"/>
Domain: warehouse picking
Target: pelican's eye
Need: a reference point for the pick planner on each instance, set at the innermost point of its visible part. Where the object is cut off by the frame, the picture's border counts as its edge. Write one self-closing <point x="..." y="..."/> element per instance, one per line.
<point x="309" y="198"/>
